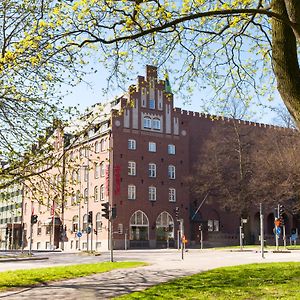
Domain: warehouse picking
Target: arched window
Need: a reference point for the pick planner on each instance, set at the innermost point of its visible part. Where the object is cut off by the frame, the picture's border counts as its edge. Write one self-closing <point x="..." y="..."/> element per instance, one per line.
<point x="156" y="124"/>
<point x="75" y="224"/>
<point x="171" y="172"/>
<point x="147" y="122"/>
<point x="85" y="222"/>
<point x="102" y="145"/>
<point x="102" y="169"/>
<point x="164" y="226"/>
<point x="102" y="192"/>
<point x="96" y="194"/>
<point x="139" y="226"/>
<point x="97" y="147"/>
<point x="98" y="222"/>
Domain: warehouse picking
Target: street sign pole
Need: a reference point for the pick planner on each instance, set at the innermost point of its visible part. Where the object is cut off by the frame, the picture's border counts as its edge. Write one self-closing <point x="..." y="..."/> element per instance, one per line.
<point x="241" y="237"/>
<point x="284" y="236"/>
<point x="262" y="238"/>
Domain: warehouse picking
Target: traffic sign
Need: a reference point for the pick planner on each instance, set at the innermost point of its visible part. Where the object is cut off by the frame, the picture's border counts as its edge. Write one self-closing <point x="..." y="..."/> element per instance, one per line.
<point x="278" y="230"/>
<point x="277" y="222"/>
<point x="79" y="234"/>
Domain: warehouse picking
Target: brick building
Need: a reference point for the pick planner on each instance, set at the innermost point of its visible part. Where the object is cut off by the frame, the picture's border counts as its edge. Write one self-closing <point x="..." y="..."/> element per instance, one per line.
<point x="135" y="153"/>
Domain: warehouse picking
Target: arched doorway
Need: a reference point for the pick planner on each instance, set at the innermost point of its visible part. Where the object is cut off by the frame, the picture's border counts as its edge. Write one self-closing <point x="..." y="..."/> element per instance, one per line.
<point x="139" y="230"/>
<point x="164" y="230"/>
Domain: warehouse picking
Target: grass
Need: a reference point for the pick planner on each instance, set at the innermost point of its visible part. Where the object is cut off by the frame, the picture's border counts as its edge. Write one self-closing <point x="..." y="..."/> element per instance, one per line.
<point x="255" y="281"/>
<point x="25" y="278"/>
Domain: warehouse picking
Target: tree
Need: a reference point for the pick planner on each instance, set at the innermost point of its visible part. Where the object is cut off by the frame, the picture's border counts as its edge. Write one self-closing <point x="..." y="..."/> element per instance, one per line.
<point x="246" y="165"/>
<point x="225" y="167"/>
<point x="33" y="67"/>
<point x="234" y="46"/>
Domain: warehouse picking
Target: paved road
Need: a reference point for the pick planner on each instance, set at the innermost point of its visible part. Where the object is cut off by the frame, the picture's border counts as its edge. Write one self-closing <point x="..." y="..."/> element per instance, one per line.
<point x="165" y="265"/>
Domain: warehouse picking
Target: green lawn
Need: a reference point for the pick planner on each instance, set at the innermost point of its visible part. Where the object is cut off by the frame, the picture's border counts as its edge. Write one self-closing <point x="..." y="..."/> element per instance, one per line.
<point x="25" y="278"/>
<point x="255" y="281"/>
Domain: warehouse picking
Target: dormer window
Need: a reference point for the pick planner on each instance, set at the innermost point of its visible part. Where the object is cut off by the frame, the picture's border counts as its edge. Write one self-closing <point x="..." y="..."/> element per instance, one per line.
<point x="156" y="124"/>
<point x="147" y="122"/>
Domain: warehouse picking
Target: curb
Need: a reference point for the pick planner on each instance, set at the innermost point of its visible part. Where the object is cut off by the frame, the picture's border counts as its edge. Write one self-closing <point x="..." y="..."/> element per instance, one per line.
<point x="22" y="259"/>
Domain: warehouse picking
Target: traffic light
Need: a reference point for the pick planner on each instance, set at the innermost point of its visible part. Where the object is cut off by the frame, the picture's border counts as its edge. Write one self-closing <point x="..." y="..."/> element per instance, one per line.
<point x="34" y="219"/>
<point x="105" y="210"/>
<point x="177" y="212"/>
<point x="90" y="217"/>
<point x="281" y="214"/>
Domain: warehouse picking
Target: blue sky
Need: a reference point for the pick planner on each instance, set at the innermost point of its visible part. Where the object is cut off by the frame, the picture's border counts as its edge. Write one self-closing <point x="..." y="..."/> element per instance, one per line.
<point x="87" y="94"/>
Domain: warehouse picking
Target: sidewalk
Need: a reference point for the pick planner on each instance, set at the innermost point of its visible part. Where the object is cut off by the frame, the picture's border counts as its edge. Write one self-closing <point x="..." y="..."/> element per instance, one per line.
<point x="117" y="282"/>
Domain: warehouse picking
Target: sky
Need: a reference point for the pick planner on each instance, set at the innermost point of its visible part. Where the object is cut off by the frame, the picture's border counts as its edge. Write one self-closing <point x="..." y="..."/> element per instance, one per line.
<point x="86" y="94"/>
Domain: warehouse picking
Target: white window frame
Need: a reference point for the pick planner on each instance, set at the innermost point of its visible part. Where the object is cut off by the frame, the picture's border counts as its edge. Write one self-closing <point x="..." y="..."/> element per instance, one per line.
<point x="131" y="168"/>
<point x="152" y="147"/>
<point x="131" y="192"/>
<point x="156" y="124"/>
<point x="152" y="193"/>
<point x="147" y="122"/>
<point x="152" y="170"/>
<point x="171" y="149"/>
<point x="171" y="172"/>
<point x="131" y="144"/>
<point x="172" y="195"/>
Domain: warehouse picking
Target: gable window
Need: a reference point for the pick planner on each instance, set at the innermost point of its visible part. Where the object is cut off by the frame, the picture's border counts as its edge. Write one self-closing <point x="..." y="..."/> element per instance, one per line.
<point x="131" y="168"/>
<point x="147" y="122"/>
<point x="171" y="149"/>
<point x="131" y="192"/>
<point x="152" y="193"/>
<point x="131" y="144"/>
<point x="152" y="170"/>
<point x="152" y="104"/>
<point x="172" y="195"/>
<point x="152" y="147"/>
<point x="156" y="124"/>
<point x="171" y="172"/>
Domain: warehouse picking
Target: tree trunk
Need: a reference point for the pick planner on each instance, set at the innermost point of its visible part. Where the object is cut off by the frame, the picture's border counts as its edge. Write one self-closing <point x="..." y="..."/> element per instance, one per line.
<point x="285" y="60"/>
